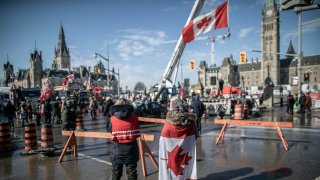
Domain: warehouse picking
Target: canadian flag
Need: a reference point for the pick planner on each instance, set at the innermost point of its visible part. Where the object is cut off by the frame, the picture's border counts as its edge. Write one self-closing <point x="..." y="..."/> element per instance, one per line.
<point x="67" y="79"/>
<point x="177" y="152"/>
<point x="216" y="19"/>
<point x="70" y="77"/>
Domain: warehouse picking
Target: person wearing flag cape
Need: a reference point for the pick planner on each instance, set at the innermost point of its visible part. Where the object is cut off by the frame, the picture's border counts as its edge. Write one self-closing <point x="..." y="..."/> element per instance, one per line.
<point x="177" y="145"/>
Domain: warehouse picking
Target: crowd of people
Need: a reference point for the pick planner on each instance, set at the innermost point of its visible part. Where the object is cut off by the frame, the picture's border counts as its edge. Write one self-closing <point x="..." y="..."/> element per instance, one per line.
<point x="303" y="103"/>
<point x="54" y="110"/>
<point x="183" y="120"/>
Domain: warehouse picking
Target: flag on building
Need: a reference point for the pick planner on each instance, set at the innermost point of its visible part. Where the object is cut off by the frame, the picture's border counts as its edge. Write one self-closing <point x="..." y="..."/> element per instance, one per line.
<point x="216" y="19"/>
<point x="177" y="152"/>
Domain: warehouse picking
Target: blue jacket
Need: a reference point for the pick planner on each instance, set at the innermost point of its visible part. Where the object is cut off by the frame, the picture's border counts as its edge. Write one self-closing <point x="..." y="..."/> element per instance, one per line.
<point x="197" y="106"/>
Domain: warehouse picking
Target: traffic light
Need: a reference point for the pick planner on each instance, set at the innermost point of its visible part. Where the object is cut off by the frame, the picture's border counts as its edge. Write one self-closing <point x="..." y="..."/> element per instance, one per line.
<point x="192" y="64"/>
<point x="95" y="70"/>
<point x="306" y="76"/>
<point x="243" y="57"/>
<point x="290" y="4"/>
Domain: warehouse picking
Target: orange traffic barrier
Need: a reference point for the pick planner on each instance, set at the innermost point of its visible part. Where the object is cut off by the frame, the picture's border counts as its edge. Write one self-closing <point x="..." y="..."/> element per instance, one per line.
<point x="79" y="123"/>
<point x="30" y="137"/>
<point x="237" y="111"/>
<point x="5" y="138"/>
<point x="143" y="147"/>
<point x="46" y="136"/>
<point x="278" y="126"/>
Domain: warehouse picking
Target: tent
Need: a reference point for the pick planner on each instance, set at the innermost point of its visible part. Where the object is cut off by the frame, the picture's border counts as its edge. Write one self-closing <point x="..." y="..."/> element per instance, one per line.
<point x="230" y="90"/>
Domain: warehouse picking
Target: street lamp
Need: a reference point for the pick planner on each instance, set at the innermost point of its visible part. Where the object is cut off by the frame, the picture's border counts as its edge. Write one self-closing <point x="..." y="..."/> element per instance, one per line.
<point x="95" y="55"/>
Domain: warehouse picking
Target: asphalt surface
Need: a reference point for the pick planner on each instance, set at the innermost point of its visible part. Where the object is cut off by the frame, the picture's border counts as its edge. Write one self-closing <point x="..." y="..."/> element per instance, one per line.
<point x="246" y="152"/>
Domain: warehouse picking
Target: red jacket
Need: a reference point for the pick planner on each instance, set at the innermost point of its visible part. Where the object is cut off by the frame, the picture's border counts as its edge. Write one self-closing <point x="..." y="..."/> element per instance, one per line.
<point x="308" y="101"/>
<point x="125" y="130"/>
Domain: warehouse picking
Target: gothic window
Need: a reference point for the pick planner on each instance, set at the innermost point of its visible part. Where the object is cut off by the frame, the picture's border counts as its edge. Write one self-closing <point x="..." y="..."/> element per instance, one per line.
<point x="213" y="80"/>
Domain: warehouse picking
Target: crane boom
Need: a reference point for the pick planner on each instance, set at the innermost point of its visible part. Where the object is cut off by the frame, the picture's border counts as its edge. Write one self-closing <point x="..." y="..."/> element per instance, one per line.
<point x="178" y="50"/>
<point x="180" y="44"/>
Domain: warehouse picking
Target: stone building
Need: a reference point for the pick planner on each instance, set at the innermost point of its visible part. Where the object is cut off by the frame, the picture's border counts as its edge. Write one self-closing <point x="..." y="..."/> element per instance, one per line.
<point x="270" y="68"/>
<point x="36" y="76"/>
<point x="61" y="54"/>
<point x="8" y="73"/>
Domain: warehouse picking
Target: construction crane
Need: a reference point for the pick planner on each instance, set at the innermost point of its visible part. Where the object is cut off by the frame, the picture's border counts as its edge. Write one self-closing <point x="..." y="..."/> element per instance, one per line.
<point x="212" y="41"/>
<point x="177" y="53"/>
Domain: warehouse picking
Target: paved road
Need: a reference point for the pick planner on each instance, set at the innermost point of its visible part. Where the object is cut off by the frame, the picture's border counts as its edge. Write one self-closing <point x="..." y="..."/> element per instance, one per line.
<point x="246" y="153"/>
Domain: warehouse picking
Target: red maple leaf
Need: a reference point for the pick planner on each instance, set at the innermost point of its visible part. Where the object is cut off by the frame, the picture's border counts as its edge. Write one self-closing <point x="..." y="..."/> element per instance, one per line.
<point x="204" y="22"/>
<point x="176" y="160"/>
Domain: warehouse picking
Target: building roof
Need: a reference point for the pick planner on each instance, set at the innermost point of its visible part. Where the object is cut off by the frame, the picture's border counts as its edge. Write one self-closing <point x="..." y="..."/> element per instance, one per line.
<point x="306" y="61"/>
<point x="253" y="66"/>
<point x="55" y="73"/>
<point x="36" y="55"/>
<point x="7" y="66"/>
<point x="310" y="60"/>
<point x="203" y="64"/>
<point x="23" y="74"/>
<point x="226" y="62"/>
<point x="62" y="45"/>
<point x="290" y="50"/>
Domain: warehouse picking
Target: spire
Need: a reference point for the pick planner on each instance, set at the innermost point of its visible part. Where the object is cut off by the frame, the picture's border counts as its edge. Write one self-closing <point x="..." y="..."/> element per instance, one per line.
<point x="290" y="50"/>
<point x="62" y="45"/>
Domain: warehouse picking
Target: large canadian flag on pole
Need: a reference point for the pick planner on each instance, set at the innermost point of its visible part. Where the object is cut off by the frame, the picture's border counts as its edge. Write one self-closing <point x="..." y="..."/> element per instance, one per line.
<point x="216" y="19"/>
<point x="177" y="152"/>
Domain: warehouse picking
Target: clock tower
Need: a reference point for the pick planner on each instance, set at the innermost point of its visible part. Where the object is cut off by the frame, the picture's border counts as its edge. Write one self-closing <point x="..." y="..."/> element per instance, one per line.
<point x="270" y="44"/>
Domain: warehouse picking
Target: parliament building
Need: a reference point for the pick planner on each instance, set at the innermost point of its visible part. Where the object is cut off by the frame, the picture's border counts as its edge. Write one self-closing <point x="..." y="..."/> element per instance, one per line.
<point x="270" y="69"/>
<point x="37" y="76"/>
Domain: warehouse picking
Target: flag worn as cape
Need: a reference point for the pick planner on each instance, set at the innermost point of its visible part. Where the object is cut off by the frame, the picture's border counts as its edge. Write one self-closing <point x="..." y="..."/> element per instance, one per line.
<point x="177" y="152"/>
<point x="216" y="19"/>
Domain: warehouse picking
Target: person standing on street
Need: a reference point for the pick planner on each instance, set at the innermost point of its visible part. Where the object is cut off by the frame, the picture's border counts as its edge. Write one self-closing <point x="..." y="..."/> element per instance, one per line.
<point x="198" y="109"/>
<point x="29" y="111"/>
<point x="23" y="113"/>
<point x="124" y="147"/>
<point x="10" y="113"/>
<point x="178" y="135"/>
<point x="308" y="103"/>
<point x="47" y="111"/>
<point x="56" y="110"/>
<point x="290" y="103"/>
<point x="93" y="106"/>
<point x="109" y="102"/>
<point x="302" y="100"/>
<point x="68" y="116"/>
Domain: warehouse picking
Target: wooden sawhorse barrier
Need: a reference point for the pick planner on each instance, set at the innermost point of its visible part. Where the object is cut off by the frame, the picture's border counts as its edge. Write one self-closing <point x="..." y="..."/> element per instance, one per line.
<point x="278" y="126"/>
<point x="152" y="120"/>
<point x="143" y="147"/>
